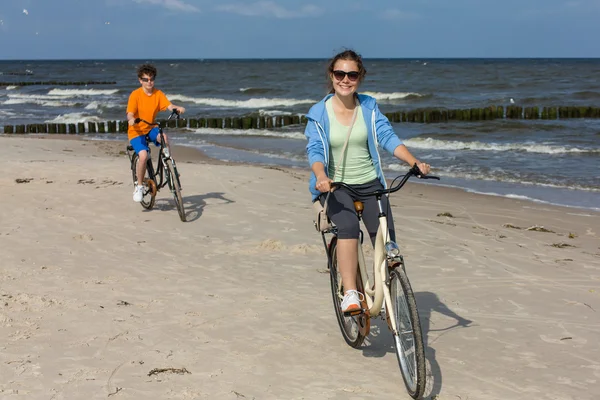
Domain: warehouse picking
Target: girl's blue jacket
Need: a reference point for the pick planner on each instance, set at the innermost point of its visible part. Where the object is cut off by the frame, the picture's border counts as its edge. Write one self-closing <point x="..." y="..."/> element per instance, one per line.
<point x="380" y="132"/>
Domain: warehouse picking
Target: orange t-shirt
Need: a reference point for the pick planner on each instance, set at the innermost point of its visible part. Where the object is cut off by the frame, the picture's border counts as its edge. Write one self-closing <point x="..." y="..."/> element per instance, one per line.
<point x="145" y="107"/>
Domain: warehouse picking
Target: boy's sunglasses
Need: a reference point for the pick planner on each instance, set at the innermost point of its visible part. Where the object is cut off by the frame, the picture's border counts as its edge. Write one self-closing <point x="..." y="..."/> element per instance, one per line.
<point x="340" y="75"/>
<point x="146" y="79"/>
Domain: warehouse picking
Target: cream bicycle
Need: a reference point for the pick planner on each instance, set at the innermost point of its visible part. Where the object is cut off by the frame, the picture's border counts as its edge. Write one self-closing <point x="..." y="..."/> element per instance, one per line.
<point x="390" y="287"/>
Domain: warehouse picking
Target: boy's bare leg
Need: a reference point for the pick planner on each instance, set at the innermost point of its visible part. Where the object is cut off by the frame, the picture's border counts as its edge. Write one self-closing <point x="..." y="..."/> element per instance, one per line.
<point x="141" y="166"/>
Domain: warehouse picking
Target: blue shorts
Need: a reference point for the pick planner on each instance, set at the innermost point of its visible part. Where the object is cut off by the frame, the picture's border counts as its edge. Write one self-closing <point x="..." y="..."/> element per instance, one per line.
<point x="140" y="143"/>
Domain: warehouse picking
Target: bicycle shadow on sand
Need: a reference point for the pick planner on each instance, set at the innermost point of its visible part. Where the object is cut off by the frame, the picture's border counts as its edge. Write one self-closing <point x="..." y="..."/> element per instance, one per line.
<point x="194" y="205"/>
<point x="380" y="341"/>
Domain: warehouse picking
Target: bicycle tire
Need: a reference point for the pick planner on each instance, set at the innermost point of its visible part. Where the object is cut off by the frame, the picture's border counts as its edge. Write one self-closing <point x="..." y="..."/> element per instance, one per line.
<point x="411" y="358"/>
<point x="149" y="194"/>
<point x="176" y="189"/>
<point x="354" y="328"/>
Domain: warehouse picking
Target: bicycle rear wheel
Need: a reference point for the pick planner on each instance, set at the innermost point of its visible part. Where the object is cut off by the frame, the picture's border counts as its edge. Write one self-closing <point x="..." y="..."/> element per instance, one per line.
<point x="408" y="339"/>
<point x="176" y="188"/>
<point x="150" y="192"/>
<point x="354" y="328"/>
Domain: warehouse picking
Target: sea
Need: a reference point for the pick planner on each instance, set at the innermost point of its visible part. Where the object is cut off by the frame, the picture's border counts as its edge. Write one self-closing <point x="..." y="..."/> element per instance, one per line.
<point x="546" y="161"/>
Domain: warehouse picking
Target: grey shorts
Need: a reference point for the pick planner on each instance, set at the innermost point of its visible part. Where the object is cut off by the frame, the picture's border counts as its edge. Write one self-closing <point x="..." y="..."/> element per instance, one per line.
<point x="342" y="213"/>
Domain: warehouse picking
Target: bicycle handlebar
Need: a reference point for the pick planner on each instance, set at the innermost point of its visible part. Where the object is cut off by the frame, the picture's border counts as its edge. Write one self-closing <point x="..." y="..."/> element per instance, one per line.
<point x="174" y="112"/>
<point x="414" y="171"/>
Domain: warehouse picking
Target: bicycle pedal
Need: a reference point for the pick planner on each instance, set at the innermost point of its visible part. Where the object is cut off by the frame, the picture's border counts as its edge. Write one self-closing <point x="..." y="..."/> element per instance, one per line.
<point x="354" y="313"/>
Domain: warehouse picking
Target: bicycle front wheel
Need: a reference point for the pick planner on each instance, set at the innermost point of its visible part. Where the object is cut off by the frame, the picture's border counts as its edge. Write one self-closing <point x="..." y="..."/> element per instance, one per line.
<point x="150" y="190"/>
<point x="408" y="339"/>
<point x="354" y="328"/>
<point x="176" y="189"/>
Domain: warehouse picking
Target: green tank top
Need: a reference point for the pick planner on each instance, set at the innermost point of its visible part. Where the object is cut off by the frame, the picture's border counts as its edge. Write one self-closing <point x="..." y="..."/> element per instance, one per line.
<point x="357" y="165"/>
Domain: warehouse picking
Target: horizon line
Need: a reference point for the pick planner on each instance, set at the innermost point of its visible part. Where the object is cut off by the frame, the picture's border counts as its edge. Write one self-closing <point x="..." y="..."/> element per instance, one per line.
<point x="293" y="58"/>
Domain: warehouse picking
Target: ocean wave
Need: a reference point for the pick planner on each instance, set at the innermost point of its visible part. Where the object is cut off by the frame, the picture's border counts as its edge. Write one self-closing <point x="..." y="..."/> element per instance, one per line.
<point x="256" y="90"/>
<point x="39" y="101"/>
<point x="11" y="87"/>
<point x="52" y="100"/>
<point x="250" y="132"/>
<point x="21" y="96"/>
<point x="273" y="113"/>
<point x="82" y="92"/>
<point x="527" y="198"/>
<point x="258" y="102"/>
<point x="5" y="113"/>
<point x="73" y="118"/>
<point x="434" y="144"/>
<point x="496" y="177"/>
<point x="94" y="105"/>
<point x="380" y="96"/>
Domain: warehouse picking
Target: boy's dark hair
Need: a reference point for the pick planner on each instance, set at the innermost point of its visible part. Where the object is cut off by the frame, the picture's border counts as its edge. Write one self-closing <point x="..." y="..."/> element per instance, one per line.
<point x="146" y="69"/>
<point x="345" y="55"/>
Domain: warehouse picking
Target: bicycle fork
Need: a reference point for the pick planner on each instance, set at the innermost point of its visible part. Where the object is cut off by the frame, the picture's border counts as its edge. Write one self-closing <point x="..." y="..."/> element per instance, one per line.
<point x="174" y="178"/>
<point x="382" y="274"/>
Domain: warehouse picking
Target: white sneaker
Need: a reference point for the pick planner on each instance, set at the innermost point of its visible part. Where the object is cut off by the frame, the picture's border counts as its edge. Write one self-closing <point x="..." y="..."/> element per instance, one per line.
<point x="138" y="193"/>
<point x="351" y="301"/>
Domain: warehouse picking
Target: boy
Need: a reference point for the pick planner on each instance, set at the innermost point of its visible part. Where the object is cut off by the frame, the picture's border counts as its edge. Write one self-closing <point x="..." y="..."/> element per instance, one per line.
<point x="145" y="103"/>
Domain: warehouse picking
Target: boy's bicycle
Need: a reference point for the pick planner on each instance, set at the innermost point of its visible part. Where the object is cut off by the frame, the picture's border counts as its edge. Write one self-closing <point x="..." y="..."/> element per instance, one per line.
<point x="390" y="287"/>
<point x="166" y="168"/>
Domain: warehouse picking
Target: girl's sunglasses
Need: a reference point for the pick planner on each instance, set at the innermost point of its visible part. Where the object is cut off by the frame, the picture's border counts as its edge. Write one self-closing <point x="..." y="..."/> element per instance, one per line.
<point x="146" y="79"/>
<point x="340" y="75"/>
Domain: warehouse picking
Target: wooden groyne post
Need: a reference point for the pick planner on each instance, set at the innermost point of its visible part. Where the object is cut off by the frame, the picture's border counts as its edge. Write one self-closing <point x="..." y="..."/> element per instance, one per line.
<point x="426" y="115"/>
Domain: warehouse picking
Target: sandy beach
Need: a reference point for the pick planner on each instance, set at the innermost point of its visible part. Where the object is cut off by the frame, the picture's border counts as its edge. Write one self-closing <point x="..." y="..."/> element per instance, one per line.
<point x="101" y="299"/>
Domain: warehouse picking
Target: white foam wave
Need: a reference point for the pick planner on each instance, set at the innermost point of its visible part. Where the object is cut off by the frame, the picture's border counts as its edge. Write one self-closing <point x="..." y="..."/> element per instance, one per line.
<point x="392" y="96"/>
<point x="11" y="87"/>
<point x="4" y="113"/>
<point x="48" y="100"/>
<point x="273" y="113"/>
<point x="39" y="101"/>
<point x="495" y="178"/>
<point x="20" y="96"/>
<point x="94" y="105"/>
<point x="250" y="132"/>
<point x="73" y="118"/>
<point x="81" y="92"/>
<point x="435" y="144"/>
<point x="257" y="102"/>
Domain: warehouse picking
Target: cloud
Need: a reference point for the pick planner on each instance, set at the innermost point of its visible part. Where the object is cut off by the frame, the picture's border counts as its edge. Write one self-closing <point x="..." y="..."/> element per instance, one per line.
<point x="269" y="9"/>
<point x="177" y="5"/>
<point x="395" y="14"/>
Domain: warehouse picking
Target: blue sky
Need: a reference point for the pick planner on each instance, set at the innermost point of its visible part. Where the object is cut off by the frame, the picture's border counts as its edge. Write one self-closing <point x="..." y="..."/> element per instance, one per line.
<point x="148" y="29"/>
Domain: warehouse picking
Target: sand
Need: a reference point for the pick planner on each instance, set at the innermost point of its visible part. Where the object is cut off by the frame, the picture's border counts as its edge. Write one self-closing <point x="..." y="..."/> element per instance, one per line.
<point x="101" y="299"/>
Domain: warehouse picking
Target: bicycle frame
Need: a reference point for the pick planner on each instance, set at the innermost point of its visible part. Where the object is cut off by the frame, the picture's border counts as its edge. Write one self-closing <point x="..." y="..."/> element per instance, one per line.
<point x="379" y="292"/>
<point x="161" y="164"/>
<point x="150" y="166"/>
<point x="386" y="252"/>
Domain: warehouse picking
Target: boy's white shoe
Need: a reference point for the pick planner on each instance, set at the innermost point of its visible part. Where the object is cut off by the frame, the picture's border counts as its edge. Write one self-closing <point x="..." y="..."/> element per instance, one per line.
<point x="138" y="193"/>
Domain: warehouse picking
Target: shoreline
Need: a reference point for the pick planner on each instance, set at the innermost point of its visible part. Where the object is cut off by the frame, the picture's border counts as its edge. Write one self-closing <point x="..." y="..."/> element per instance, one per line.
<point x="191" y="154"/>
